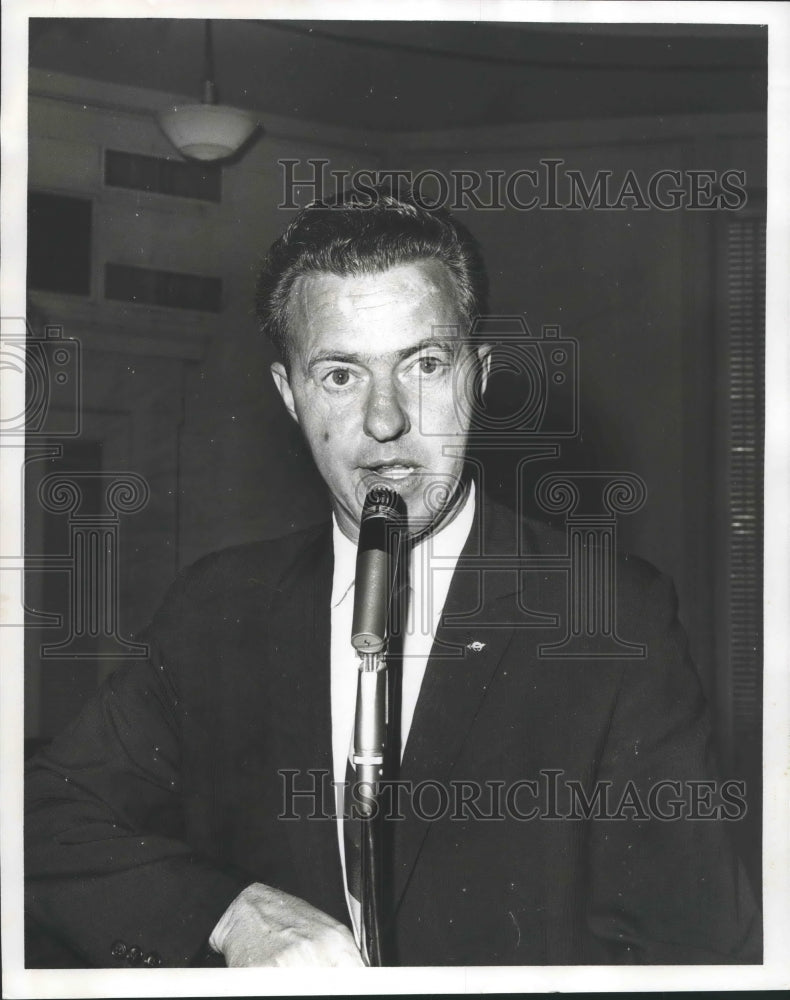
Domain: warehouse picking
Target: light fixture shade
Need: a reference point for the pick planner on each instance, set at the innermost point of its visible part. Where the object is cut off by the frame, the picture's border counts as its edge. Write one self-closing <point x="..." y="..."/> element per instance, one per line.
<point x="206" y="131"/>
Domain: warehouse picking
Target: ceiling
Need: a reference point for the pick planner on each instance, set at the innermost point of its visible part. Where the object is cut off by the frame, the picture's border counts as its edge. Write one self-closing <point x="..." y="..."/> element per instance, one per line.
<point x="411" y="76"/>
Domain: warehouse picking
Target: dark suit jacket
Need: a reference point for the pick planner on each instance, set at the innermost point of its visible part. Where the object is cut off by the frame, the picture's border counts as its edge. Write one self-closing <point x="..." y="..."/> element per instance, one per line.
<point x="161" y="802"/>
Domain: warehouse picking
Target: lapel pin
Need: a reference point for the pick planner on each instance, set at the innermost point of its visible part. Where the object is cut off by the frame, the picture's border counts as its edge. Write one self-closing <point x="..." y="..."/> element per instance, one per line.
<point x="476" y="646"/>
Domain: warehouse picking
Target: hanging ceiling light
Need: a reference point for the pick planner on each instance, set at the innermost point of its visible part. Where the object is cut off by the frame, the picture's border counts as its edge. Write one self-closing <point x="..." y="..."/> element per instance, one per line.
<point x="207" y="131"/>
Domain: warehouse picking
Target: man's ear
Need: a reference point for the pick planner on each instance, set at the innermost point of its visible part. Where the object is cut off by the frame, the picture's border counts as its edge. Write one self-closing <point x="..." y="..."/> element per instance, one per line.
<point x="280" y="376"/>
<point x="484" y="357"/>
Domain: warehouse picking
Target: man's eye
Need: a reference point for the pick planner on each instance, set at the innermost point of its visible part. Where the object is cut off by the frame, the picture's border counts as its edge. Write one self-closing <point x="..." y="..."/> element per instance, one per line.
<point x="429" y="365"/>
<point x="338" y="378"/>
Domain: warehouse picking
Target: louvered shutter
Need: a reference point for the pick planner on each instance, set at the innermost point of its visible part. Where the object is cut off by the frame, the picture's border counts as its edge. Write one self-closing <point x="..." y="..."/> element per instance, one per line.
<point x="744" y="255"/>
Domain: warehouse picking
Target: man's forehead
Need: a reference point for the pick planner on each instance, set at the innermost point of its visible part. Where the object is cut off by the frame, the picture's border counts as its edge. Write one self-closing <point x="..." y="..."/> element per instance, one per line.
<point x="419" y="284"/>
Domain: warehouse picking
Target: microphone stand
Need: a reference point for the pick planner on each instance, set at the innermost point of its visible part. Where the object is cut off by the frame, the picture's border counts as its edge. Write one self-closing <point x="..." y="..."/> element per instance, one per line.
<point x="370" y="745"/>
<point x="379" y="569"/>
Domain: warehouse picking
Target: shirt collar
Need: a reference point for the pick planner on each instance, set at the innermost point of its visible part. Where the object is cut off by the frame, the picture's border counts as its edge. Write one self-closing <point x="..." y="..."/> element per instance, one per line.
<point x="345" y="564"/>
<point x="447" y="542"/>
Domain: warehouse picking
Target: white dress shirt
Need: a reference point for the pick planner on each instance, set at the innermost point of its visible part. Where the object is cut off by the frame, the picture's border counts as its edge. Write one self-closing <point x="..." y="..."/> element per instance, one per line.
<point x="429" y="585"/>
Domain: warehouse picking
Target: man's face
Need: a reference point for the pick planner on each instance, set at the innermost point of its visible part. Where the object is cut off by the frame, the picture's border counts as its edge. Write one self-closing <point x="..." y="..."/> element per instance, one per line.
<point x="374" y="384"/>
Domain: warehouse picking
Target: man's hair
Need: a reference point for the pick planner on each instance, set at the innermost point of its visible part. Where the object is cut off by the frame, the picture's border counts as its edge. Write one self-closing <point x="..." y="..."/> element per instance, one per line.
<point x="361" y="233"/>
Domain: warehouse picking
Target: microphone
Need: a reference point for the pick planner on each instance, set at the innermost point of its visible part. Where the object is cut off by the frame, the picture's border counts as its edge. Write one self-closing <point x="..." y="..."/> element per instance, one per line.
<point x="381" y="532"/>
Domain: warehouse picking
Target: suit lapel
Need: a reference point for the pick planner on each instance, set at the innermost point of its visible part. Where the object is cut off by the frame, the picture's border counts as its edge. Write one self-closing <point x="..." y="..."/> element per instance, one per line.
<point x="299" y="648"/>
<point x="466" y="652"/>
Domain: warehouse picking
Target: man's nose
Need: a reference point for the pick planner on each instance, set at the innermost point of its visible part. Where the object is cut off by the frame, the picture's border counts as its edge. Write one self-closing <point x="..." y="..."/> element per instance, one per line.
<point x="385" y="416"/>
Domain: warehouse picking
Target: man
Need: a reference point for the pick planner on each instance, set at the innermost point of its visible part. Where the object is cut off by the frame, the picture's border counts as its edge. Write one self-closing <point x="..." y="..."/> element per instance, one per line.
<point x="189" y="810"/>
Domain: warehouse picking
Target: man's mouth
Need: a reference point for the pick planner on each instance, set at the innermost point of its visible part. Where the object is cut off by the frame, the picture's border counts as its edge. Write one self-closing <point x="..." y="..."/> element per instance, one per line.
<point x="392" y="471"/>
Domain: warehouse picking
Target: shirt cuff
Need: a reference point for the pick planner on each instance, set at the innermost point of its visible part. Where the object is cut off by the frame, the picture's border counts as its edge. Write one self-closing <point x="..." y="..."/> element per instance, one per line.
<point x="217" y="937"/>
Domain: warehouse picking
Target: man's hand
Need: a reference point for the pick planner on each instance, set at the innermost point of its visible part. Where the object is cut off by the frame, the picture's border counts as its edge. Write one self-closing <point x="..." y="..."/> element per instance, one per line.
<point x="267" y="927"/>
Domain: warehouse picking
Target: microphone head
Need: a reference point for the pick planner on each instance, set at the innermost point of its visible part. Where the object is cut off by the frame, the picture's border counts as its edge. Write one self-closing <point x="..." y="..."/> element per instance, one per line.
<point x="381" y="532"/>
<point x="383" y="501"/>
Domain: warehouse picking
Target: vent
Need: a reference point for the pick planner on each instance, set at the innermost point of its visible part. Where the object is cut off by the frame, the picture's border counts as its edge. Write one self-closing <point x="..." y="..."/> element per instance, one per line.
<point x="160" y="176"/>
<point x="162" y="288"/>
<point x="58" y="243"/>
<point x="745" y="271"/>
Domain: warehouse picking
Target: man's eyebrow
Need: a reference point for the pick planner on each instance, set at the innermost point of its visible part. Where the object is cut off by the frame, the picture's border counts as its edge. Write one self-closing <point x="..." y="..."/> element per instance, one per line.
<point x="435" y="343"/>
<point x="338" y="356"/>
